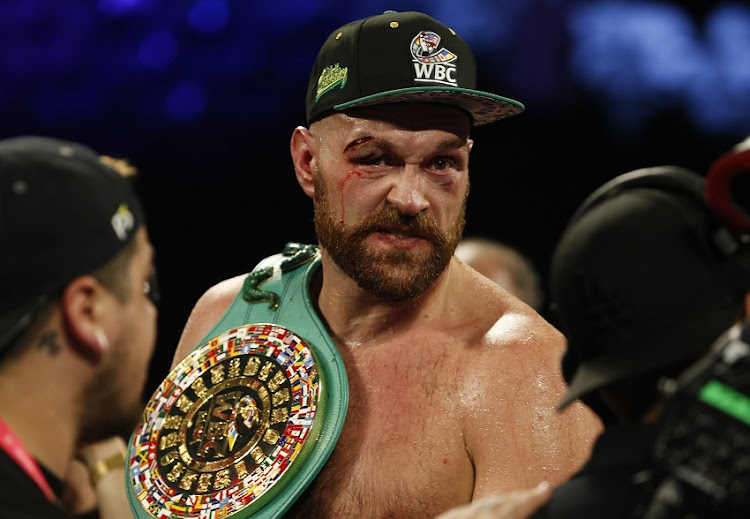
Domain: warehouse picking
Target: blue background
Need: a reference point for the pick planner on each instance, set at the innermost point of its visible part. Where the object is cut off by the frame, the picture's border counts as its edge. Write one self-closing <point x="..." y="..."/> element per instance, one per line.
<point x="202" y="96"/>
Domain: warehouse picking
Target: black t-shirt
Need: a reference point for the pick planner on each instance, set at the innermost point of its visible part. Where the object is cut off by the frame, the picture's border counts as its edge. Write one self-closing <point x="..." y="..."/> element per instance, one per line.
<point x="21" y="498"/>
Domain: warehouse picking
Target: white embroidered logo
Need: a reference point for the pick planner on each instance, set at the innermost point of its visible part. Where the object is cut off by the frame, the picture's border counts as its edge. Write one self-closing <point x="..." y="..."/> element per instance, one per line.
<point x="432" y="63"/>
<point x="122" y="221"/>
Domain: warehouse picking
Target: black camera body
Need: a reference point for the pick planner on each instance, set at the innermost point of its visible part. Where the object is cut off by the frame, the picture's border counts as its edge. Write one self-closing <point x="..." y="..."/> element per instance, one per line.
<point x="701" y="465"/>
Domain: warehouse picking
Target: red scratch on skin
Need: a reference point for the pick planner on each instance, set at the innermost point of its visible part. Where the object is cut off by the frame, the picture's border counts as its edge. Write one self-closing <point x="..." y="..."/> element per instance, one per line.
<point x="445" y="461"/>
<point x="342" y="184"/>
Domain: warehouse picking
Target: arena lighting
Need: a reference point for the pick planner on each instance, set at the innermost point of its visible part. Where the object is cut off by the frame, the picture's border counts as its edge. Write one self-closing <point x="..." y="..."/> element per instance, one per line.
<point x="301" y="13"/>
<point x="642" y="57"/>
<point x="158" y="50"/>
<point x="724" y="100"/>
<point x="635" y="59"/>
<point x="118" y="7"/>
<point x="187" y="101"/>
<point x="208" y="16"/>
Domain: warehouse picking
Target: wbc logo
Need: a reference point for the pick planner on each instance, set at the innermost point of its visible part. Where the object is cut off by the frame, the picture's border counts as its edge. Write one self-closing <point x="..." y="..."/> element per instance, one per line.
<point x="433" y="64"/>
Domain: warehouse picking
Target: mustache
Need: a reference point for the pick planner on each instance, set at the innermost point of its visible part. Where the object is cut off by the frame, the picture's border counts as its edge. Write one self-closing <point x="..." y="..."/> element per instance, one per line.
<point x="390" y="218"/>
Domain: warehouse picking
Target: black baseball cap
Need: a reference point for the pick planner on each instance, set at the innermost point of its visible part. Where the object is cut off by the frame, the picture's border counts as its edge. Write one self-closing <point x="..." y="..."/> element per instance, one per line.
<point x="63" y="213"/>
<point x="638" y="282"/>
<point x="400" y="57"/>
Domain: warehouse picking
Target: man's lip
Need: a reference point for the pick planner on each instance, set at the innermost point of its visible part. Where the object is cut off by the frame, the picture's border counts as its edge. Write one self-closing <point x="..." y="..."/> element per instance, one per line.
<point x="403" y="233"/>
<point x="407" y="241"/>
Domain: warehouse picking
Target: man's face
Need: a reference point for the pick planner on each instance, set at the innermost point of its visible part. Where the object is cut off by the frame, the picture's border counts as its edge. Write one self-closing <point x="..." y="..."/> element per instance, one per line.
<point x="391" y="184"/>
<point x="115" y="398"/>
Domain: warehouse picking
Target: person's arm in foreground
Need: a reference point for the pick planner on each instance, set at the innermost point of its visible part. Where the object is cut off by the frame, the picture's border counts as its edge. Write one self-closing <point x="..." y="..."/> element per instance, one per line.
<point x="513" y="505"/>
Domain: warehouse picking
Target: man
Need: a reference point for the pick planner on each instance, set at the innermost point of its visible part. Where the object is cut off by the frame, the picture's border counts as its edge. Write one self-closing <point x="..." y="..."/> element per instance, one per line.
<point x="77" y="325"/>
<point x="645" y="279"/>
<point x="505" y="266"/>
<point x="452" y="380"/>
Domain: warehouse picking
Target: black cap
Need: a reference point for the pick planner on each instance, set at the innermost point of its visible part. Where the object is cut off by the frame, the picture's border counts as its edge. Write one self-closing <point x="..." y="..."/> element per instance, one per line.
<point x="399" y="57"/>
<point x="638" y="282"/>
<point x="63" y="213"/>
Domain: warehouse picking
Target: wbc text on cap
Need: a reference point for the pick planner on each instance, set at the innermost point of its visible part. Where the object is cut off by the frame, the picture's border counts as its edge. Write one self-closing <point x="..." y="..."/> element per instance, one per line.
<point x="400" y="57"/>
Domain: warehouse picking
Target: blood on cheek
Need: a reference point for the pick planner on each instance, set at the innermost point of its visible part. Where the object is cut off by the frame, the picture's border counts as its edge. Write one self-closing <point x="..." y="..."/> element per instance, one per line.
<point x="342" y="184"/>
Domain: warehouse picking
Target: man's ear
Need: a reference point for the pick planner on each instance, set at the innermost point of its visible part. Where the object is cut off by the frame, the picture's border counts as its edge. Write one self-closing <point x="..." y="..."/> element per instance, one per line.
<point x="301" y="147"/>
<point x="84" y="310"/>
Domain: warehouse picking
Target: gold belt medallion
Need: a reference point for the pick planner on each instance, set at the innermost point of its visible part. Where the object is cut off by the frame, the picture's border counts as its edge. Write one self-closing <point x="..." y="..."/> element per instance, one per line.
<point x="229" y="424"/>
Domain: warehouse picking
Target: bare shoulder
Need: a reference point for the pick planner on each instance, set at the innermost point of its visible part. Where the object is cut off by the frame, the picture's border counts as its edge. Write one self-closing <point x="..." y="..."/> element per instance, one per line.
<point x="505" y="338"/>
<point x="512" y="341"/>
<point x="207" y="311"/>
<point x="520" y="345"/>
<point x="523" y="336"/>
<point x="503" y="325"/>
<point x="509" y="385"/>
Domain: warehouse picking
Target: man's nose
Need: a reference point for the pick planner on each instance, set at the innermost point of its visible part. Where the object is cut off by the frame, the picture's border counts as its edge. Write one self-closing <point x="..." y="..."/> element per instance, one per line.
<point x="407" y="193"/>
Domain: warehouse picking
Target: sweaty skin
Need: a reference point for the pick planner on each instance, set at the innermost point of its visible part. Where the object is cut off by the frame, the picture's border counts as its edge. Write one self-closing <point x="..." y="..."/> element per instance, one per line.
<point x="452" y="393"/>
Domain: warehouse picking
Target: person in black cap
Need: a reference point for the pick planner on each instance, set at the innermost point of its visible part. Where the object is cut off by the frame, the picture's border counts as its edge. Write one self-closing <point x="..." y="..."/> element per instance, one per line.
<point x="453" y="381"/>
<point x="645" y="280"/>
<point x="77" y="323"/>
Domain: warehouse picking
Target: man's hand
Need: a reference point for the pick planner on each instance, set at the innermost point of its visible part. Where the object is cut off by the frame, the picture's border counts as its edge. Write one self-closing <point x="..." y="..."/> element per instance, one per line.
<point x="96" y="480"/>
<point x="79" y="496"/>
<point x="513" y="505"/>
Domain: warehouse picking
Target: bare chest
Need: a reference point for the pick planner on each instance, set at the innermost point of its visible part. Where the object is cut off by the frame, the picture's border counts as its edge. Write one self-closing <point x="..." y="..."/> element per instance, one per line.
<point x="401" y="452"/>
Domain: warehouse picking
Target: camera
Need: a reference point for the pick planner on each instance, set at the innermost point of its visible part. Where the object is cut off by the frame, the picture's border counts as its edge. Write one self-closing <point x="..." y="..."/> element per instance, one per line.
<point x="701" y="457"/>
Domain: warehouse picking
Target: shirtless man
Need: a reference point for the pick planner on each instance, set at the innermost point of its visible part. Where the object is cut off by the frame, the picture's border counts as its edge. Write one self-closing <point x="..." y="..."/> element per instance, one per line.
<point x="453" y="382"/>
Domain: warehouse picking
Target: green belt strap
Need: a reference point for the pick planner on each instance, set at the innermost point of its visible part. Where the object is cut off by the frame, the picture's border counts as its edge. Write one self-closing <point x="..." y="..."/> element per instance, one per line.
<point x="272" y="319"/>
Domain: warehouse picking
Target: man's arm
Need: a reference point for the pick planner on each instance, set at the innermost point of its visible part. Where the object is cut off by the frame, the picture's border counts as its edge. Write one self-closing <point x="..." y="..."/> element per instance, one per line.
<point x="515" y="436"/>
<point x="209" y="308"/>
<point x="513" y="505"/>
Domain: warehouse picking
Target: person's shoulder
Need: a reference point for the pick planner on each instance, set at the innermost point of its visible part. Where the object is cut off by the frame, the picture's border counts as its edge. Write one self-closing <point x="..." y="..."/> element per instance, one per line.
<point x="222" y="292"/>
<point x="209" y="308"/>
<point x="510" y="332"/>
<point x="504" y="321"/>
<point x="521" y="332"/>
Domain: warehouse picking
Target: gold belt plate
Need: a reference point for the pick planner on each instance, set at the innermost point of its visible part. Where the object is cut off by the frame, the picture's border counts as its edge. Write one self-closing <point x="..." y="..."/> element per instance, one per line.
<point x="229" y="424"/>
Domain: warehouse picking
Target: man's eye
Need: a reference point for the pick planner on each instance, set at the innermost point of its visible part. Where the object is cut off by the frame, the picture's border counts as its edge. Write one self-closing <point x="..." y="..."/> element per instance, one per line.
<point x="372" y="160"/>
<point x="441" y="164"/>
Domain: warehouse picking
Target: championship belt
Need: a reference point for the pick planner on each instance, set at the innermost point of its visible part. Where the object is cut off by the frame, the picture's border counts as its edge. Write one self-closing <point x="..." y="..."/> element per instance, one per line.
<point x="245" y="422"/>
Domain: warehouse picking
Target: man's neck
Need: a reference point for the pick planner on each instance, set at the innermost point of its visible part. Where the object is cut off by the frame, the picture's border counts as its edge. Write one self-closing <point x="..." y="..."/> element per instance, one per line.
<point x="355" y="316"/>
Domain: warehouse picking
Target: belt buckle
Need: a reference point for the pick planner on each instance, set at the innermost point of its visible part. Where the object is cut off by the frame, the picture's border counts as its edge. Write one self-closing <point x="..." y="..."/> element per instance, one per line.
<point x="228" y="427"/>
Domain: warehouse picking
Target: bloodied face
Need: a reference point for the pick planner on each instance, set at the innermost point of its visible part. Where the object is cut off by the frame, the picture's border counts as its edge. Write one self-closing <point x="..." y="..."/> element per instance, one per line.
<point x="391" y="185"/>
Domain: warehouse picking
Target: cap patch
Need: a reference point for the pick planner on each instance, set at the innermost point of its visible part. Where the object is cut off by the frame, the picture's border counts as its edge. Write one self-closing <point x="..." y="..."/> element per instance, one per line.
<point x="432" y="64"/>
<point x="399" y="58"/>
<point x="122" y="221"/>
<point x="330" y="77"/>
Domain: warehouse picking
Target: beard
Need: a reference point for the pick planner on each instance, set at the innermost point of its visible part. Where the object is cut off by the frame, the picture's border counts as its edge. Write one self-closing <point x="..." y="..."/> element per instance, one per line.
<point x="107" y="411"/>
<point x="397" y="274"/>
